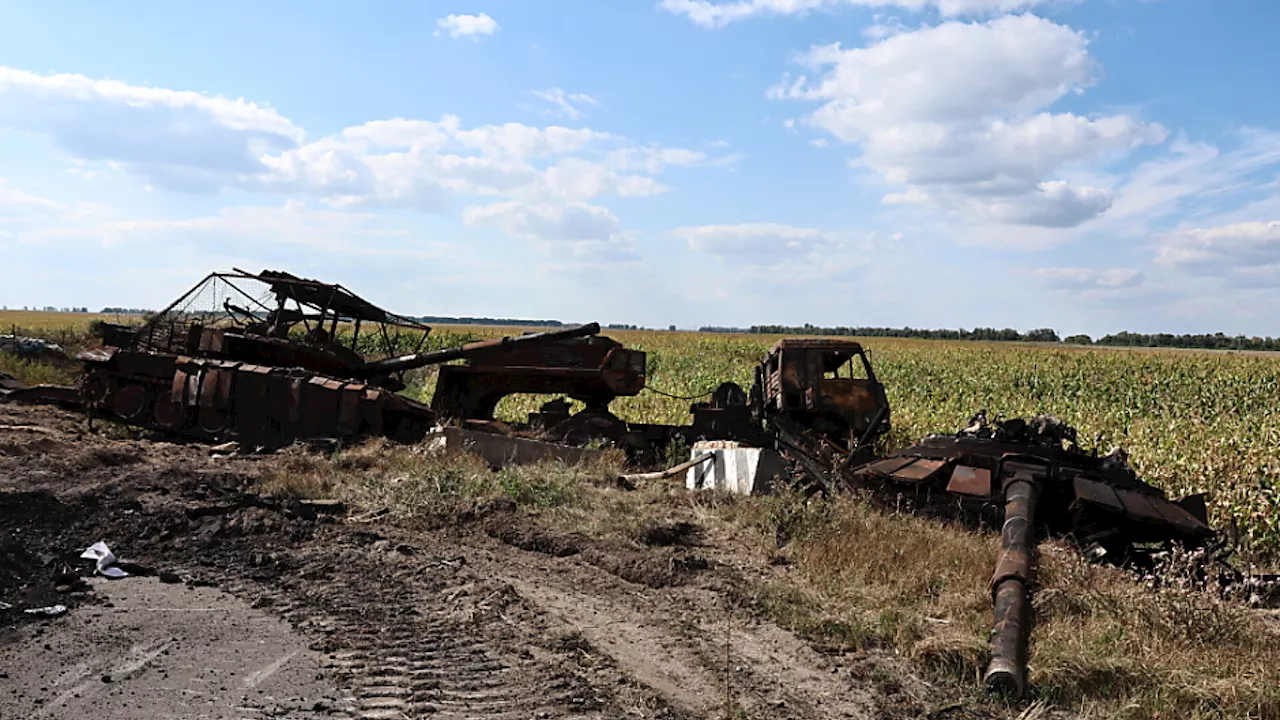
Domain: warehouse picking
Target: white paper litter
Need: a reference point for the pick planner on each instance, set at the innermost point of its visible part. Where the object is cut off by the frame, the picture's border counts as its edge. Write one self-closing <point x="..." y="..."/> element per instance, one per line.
<point x="5" y="606"/>
<point x="105" y="559"/>
<point x="51" y="611"/>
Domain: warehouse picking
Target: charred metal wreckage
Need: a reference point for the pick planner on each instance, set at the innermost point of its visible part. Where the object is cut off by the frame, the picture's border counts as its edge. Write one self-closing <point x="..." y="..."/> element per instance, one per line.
<point x="269" y="358"/>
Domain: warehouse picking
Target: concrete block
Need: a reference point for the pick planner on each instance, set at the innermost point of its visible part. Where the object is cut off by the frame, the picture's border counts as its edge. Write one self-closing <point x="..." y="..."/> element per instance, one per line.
<point x="502" y="450"/>
<point x="736" y="468"/>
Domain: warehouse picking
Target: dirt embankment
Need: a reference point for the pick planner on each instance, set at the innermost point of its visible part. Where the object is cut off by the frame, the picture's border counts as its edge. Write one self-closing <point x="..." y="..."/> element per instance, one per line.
<point x="493" y="616"/>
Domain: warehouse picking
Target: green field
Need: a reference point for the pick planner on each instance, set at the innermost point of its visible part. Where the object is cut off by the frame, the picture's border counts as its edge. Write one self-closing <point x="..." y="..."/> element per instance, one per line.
<point x="1192" y="421"/>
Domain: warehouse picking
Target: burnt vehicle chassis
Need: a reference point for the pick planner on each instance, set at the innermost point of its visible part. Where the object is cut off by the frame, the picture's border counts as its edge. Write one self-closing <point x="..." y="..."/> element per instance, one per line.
<point x="1033" y="478"/>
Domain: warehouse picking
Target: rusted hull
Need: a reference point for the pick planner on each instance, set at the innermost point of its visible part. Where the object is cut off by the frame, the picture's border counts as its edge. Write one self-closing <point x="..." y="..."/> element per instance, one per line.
<point x="224" y="400"/>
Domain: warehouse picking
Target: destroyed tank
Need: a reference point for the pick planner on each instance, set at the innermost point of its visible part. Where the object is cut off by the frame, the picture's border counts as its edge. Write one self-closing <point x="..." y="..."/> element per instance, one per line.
<point x="270" y="358"/>
<point x="1045" y="484"/>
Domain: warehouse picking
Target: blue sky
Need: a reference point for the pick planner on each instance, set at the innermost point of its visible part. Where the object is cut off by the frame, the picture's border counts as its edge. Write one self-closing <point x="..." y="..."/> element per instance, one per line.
<point x="1088" y="165"/>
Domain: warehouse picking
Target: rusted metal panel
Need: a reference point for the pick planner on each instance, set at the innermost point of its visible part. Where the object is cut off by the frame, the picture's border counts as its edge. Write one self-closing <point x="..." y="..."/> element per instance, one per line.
<point x="1096" y="493"/>
<point x="1137" y="505"/>
<point x="349" y="408"/>
<point x="100" y="355"/>
<point x="371" y="408"/>
<point x="222" y="396"/>
<point x="890" y="466"/>
<point x="921" y="470"/>
<point x="319" y="411"/>
<point x="969" y="480"/>
<point x="192" y="392"/>
<point x="1178" y="517"/>
<point x="178" y="388"/>
<point x="210" y="380"/>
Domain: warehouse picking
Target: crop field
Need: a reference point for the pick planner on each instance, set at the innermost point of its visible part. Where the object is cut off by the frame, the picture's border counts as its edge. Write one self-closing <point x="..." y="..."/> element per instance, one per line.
<point x="1191" y="421"/>
<point x="54" y="321"/>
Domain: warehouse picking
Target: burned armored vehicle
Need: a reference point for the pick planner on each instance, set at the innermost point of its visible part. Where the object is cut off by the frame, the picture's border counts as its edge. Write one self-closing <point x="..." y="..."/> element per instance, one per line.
<point x="267" y="358"/>
<point x="1040" y="482"/>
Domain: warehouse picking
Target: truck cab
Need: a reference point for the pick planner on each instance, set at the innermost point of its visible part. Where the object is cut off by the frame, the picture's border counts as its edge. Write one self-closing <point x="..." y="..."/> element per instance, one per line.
<point x="827" y="384"/>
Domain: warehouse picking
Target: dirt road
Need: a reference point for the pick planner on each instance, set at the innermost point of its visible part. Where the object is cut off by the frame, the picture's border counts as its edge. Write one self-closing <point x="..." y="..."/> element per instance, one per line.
<point x="271" y="609"/>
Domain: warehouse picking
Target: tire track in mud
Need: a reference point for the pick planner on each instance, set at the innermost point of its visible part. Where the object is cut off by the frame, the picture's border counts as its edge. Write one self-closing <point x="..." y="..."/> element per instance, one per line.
<point x="684" y="641"/>
<point x="411" y="637"/>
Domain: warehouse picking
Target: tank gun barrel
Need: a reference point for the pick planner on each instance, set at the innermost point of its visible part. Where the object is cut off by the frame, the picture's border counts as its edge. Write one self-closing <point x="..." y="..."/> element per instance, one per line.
<point x="435" y="357"/>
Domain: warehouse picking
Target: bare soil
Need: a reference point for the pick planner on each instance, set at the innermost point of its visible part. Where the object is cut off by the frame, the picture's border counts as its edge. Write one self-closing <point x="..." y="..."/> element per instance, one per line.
<point x="243" y="605"/>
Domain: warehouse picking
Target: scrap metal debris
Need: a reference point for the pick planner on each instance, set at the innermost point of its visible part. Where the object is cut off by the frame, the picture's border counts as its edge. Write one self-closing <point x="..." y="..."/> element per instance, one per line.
<point x="30" y="347"/>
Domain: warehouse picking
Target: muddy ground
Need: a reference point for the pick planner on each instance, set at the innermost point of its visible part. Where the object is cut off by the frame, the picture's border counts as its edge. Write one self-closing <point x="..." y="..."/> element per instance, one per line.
<point x="245" y="606"/>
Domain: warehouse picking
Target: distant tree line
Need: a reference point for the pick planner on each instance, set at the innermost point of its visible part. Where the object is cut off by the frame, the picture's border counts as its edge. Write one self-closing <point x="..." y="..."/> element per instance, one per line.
<point x="125" y="311"/>
<point x="988" y="334"/>
<point x="508" y="322"/>
<point x="1217" y="341"/>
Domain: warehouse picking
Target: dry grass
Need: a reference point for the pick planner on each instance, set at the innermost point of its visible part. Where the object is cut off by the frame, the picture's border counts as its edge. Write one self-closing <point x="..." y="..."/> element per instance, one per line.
<point x="37" y="322"/>
<point x="419" y="483"/>
<point x="1104" y="645"/>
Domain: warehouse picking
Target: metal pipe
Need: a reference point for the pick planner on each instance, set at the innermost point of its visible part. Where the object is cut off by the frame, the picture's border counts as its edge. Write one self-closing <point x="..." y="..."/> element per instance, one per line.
<point x="408" y="362"/>
<point x="669" y="472"/>
<point x="1011" y="584"/>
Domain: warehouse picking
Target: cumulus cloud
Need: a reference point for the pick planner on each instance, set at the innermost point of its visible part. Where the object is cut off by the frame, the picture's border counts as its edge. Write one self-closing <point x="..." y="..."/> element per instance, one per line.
<point x="189" y="141"/>
<point x="1090" y="278"/>
<point x="176" y="138"/>
<point x="566" y="104"/>
<point x="957" y="113"/>
<point x="719" y="14"/>
<point x="472" y="26"/>
<point x="1054" y="204"/>
<point x="1241" y="249"/>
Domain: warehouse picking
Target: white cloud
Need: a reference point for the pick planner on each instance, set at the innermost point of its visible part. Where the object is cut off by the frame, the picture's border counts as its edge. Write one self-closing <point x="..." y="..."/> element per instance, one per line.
<point x="654" y="159"/>
<point x="774" y="255"/>
<point x="957" y="113"/>
<point x="188" y="141"/>
<point x="718" y="14"/>
<point x="472" y="26"/>
<point x="591" y="233"/>
<point x="566" y="104"/>
<point x="176" y="138"/>
<point x="1198" y="177"/>
<point x="1091" y="278"/>
<point x="568" y="221"/>
<point x="1055" y="204"/>
<point x="752" y="240"/>
<point x="18" y="202"/>
<point x="1242" y="249"/>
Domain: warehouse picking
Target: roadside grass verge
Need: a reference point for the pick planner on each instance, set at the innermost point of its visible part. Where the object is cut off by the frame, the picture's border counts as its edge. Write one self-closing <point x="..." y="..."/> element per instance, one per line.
<point x="33" y="372"/>
<point x="416" y="483"/>
<point x="1103" y="645"/>
<point x="851" y="579"/>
